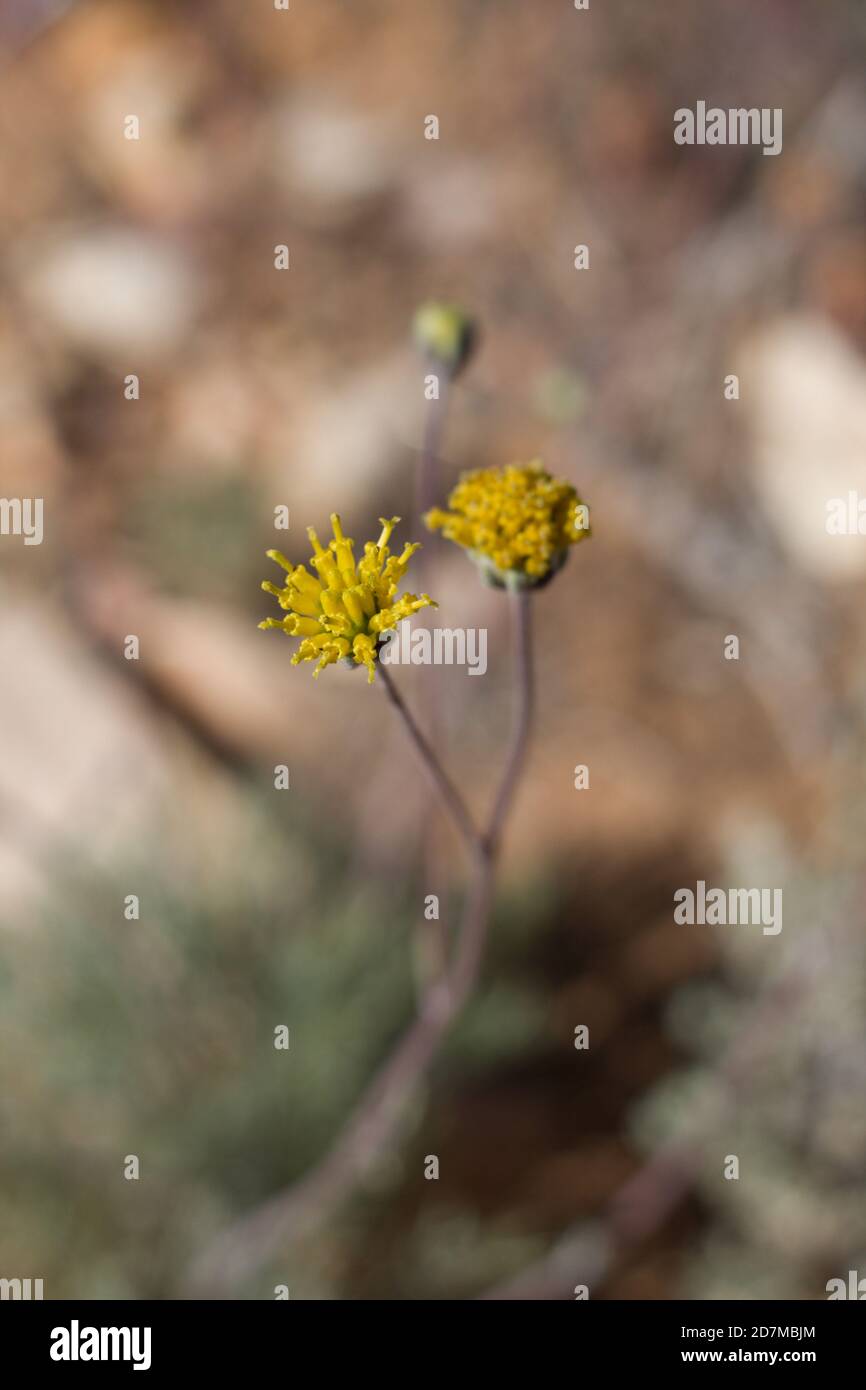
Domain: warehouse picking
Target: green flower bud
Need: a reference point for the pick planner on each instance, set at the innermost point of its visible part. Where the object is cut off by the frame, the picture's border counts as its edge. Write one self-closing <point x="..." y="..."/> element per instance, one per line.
<point x="445" y="334"/>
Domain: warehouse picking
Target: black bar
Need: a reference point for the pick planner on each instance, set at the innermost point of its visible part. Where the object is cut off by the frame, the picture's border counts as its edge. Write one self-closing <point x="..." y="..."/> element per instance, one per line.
<point x="221" y="1338"/>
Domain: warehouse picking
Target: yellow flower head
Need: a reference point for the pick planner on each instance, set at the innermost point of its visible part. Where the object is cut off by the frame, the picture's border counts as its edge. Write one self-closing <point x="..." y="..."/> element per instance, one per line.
<point x="342" y="609"/>
<point x="517" y="523"/>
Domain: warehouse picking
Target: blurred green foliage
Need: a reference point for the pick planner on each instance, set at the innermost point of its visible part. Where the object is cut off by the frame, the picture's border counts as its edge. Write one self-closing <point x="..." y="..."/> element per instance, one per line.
<point x="156" y="1038"/>
<point x="790" y="1011"/>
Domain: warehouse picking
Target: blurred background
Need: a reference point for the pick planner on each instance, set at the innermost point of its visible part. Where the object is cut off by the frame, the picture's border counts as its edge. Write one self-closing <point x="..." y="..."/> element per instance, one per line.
<point x="304" y="907"/>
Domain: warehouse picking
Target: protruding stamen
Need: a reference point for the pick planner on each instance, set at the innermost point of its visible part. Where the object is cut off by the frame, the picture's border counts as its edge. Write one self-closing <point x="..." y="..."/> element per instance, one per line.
<point x="387" y="527"/>
<point x="280" y="559"/>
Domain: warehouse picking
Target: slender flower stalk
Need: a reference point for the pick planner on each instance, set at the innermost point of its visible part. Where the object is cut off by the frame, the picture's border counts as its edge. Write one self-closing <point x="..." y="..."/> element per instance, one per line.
<point x="451" y="799"/>
<point x="247" y="1244"/>
<point x="517" y="524"/>
<point x="521" y="604"/>
<point x="445" y="336"/>
<point x="430" y="947"/>
<point x="428" y="478"/>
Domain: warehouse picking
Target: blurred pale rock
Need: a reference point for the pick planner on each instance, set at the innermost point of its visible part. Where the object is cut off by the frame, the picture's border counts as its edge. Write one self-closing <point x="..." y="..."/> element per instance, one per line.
<point x="80" y="773"/>
<point x="803" y="389"/>
<point x="455" y="205"/>
<point x="213" y="665"/>
<point x="330" y="155"/>
<point x="213" y="413"/>
<point x="109" y="290"/>
<point x="348" y="436"/>
<point x="162" y="174"/>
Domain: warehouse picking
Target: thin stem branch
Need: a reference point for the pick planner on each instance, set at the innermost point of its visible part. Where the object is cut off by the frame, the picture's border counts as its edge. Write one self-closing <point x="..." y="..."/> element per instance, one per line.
<point x="441" y="782"/>
<point x="249" y="1242"/>
<point x="428" y="478"/>
<point x="430" y="937"/>
<point x="522" y="628"/>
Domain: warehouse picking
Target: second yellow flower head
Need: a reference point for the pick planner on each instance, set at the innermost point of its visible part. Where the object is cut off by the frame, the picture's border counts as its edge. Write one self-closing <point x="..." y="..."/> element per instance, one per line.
<point x="517" y="522"/>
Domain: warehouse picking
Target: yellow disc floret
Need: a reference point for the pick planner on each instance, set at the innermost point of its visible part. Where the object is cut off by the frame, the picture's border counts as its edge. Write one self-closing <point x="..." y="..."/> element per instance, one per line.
<point x="340" y="611"/>
<point x="518" y="522"/>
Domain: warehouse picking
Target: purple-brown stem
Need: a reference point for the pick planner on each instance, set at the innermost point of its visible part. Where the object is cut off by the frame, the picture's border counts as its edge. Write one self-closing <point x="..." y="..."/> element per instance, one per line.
<point x="251" y="1240"/>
